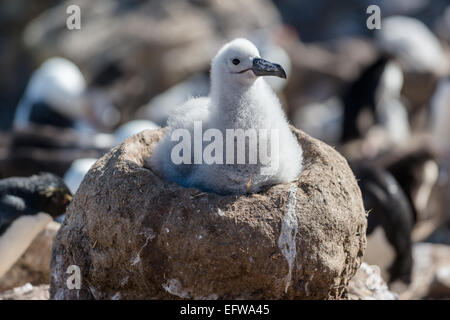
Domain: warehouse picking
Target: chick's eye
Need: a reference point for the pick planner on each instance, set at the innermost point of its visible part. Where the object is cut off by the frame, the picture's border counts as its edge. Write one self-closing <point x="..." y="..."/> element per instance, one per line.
<point x="236" y="61"/>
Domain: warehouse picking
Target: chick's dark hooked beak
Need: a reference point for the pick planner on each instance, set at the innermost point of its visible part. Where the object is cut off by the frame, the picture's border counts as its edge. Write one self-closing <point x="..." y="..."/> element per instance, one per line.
<point x="263" y="67"/>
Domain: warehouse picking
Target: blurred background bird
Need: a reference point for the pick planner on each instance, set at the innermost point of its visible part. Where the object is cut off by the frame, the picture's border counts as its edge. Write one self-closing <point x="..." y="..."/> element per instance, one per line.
<point x="390" y="222"/>
<point x="54" y="96"/>
<point x="27" y="205"/>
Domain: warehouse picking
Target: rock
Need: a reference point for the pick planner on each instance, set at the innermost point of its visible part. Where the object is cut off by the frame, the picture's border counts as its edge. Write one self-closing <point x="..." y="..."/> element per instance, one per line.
<point x="34" y="265"/>
<point x="430" y="277"/>
<point x="26" y="292"/>
<point x="135" y="236"/>
<point x="368" y="284"/>
<point x="440" y="286"/>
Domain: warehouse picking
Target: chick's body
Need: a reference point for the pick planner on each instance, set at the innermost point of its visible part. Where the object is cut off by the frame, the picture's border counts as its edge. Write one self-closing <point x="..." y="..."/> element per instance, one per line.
<point x="241" y="120"/>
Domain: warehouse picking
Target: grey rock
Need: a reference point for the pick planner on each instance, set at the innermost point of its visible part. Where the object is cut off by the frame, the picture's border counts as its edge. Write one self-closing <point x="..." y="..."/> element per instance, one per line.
<point x="135" y="236"/>
<point x="26" y="292"/>
<point x="34" y="265"/>
<point x="368" y="284"/>
<point x="430" y="272"/>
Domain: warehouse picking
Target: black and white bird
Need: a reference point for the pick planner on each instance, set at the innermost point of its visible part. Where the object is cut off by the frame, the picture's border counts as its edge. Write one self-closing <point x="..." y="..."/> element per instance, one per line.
<point x="240" y="99"/>
<point x="396" y="191"/>
<point x="54" y="96"/>
<point x="390" y="221"/>
<point x="417" y="172"/>
<point x="378" y="90"/>
<point x="27" y="205"/>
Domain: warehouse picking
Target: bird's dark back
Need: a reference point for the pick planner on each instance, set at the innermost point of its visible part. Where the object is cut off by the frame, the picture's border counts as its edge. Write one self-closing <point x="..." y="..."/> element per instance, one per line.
<point x="43" y="114"/>
<point x="384" y="198"/>
<point x="360" y="94"/>
<point x="44" y="192"/>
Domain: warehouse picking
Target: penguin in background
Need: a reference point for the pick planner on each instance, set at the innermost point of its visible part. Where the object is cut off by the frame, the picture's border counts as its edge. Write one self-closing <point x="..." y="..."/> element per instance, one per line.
<point x="27" y="205"/>
<point x="389" y="214"/>
<point x="57" y="95"/>
<point x="396" y="193"/>
<point x="417" y="173"/>
<point x="377" y="90"/>
<point x="54" y="96"/>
